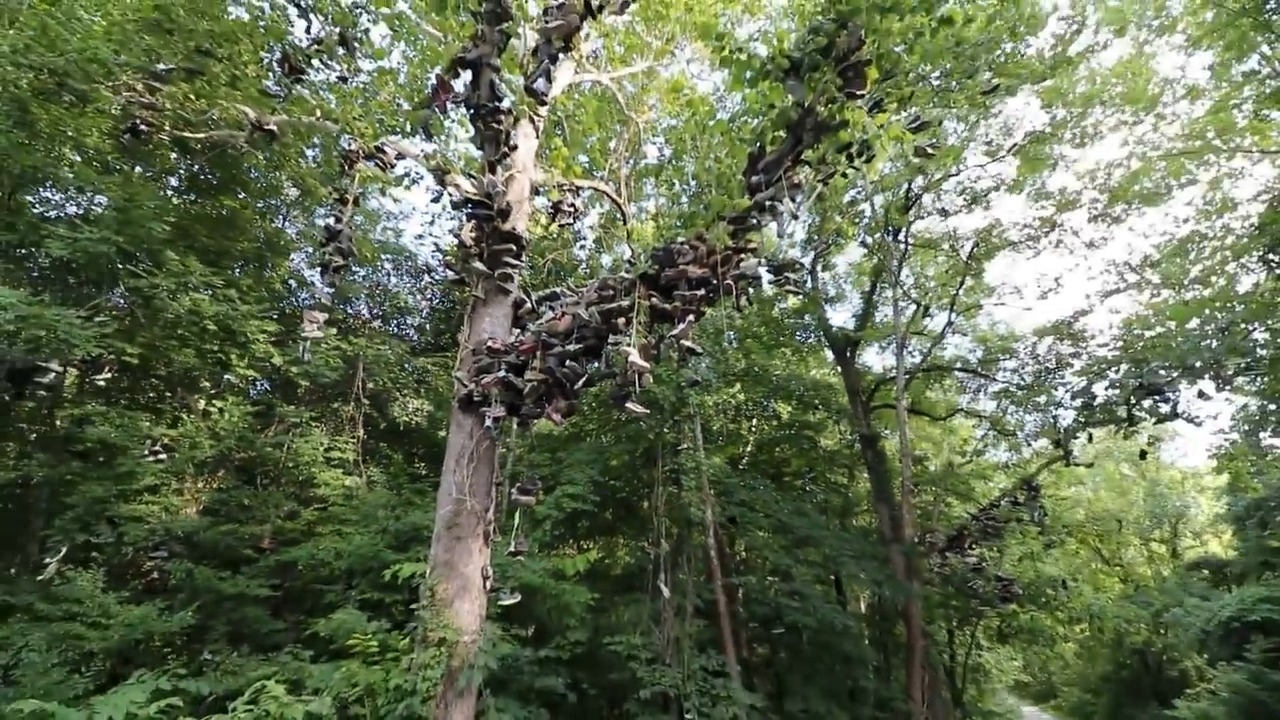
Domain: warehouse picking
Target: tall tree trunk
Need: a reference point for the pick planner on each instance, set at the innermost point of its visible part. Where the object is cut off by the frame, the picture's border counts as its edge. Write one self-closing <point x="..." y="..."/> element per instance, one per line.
<point x="461" y="541"/>
<point x="671" y="699"/>
<point x="463" y="534"/>
<point x="890" y="524"/>
<point x="913" y="612"/>
<point x="844" y="348"/>
<point x="713" y="561"/>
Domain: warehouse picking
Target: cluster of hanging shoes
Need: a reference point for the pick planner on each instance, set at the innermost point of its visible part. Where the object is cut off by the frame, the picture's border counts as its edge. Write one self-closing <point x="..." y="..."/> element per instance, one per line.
<point x="486" y="248"/>
<point x="561" y="24"/>
<point x="20" y="376"/>
<point x="962" y="548"/>
<point x="483" y="96"/>
<point x="523" y="495"/>
<point x="337" y="245"/>
<point x="566" y="341"/>
<point x="989" y="590"/>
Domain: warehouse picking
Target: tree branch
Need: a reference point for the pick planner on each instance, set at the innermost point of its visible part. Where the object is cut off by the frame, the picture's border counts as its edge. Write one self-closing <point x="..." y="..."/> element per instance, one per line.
<point x="1220" y="151"/>
<point x="936" y="417"/>
<point x="1003" y="155"/>
<point x="880" y="383"/>
<point x="607" y="78"/>
<point x="601" y="187"/>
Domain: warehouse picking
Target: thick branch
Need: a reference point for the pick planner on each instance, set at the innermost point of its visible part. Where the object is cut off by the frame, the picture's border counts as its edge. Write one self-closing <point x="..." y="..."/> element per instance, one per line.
<point x="607" y="78"/>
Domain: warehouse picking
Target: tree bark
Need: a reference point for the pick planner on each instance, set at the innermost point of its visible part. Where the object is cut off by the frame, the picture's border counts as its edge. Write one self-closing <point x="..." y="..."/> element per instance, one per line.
<point x="912" y="613"/>
<point x="713" y="560"/>
<point x="461" y="541"/>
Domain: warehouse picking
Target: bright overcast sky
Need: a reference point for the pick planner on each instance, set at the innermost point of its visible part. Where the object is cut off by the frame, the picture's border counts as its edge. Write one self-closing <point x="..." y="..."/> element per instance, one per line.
<point x="1077" y="277"/>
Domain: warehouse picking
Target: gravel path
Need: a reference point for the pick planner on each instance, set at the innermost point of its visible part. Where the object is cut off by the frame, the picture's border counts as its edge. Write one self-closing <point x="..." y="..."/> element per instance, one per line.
<point x="1030" y="712"/>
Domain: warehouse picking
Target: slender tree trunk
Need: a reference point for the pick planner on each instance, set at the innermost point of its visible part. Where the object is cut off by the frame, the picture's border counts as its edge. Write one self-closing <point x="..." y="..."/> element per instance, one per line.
<point x="713" y="560"/>
<point x="737" y="613"/>
<point x="671" y="703"/>
<point x="463" y="534"/>
<point x="912" y="613"/>
<point x="845" y="347"/>
<point x="888" y="517"/>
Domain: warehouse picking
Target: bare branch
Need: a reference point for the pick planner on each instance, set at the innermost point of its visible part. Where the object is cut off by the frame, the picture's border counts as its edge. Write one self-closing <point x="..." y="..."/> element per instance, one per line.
<point x="952" y="315"/>
<point x="1220" y="151"/>
<point x="607" y="78"/>
<point x="955" y="369"/>
<point x="1004" y="155"/>
<point x="959" y="411"/>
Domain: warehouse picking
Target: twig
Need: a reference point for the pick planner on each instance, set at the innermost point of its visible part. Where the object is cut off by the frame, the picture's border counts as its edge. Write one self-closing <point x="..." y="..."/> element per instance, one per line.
<point x="1220" y="150"/>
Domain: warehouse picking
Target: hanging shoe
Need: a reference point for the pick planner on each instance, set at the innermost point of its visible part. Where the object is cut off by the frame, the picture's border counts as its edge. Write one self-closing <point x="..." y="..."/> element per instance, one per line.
<point x="635" y="408"/>
<point x="691" y="349"/>
<point x="519" y="548"/>
<point x="313" y="324"/>
<point x="154" y="452"/>
<point x="569" y="350"/>
<point x="561" y="323"/>
<point x="532" y="392"/>
<point x="101" y="377"/>
<point x="491" y="381"/>
<point x="507" y="281"/>
<point x="493" y="416"/>
<point x="50" y="374"/>
<point x="689" y="297"/>
<point x="525" y="494"/>
<point x="495" y="347"/>
<point x="634" y="361"/>
<point x="572" y="375"/>
<point x="682" y="330"/>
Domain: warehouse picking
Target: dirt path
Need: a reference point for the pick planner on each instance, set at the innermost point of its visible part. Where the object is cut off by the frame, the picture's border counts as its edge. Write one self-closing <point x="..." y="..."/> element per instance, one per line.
<point x="1030" y="712"/>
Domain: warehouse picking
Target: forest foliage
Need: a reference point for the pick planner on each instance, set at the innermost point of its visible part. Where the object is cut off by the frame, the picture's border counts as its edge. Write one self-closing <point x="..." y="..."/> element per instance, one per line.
<point x="883" y="488"/>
